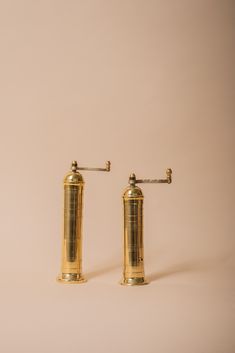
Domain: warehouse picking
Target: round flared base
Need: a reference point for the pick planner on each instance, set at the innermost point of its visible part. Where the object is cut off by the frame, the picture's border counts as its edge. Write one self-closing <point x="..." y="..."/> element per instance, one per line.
<point x="134" y="281"/>
<point x="71" y="278"/>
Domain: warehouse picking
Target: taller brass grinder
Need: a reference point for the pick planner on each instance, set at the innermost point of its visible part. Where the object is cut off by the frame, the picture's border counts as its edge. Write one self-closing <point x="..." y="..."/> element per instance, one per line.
<point x="71" y="269"/>
<point x="133" y="271"/>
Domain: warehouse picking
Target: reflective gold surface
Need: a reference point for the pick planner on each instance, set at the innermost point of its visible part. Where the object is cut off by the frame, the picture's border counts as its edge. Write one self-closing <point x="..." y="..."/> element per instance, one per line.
<point x="133" y="272"/>
<point x="71" y="268"/>
<point x="133" y="269"/>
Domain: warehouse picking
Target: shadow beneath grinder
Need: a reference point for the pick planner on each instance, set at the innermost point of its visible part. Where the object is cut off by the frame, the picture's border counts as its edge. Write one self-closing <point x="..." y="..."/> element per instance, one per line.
<point x="103" y="270"/>
<point x="200" y="265"/>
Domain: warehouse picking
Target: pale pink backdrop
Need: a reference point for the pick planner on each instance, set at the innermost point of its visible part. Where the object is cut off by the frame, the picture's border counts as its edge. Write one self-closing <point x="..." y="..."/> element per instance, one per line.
<point x="148" y="85"/>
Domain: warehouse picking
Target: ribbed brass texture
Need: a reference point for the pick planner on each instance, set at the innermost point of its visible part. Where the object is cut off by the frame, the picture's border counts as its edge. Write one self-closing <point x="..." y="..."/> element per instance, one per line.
<point x="133" y="268"/>
<point x="71" y="269"/>
<point x="133" y="271"/>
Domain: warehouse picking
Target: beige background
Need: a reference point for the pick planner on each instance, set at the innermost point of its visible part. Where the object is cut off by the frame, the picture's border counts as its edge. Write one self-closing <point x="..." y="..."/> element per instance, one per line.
<point x="148" y="85"/>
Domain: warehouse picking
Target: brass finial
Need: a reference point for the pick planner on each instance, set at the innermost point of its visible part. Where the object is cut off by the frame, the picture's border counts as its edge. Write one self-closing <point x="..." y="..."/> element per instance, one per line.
<point x="74" y="166"/>
<point x="132" y="179"/>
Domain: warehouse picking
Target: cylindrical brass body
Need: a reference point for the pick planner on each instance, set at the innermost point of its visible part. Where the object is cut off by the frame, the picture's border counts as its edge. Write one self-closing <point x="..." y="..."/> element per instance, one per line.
<point x="133" y="271"/>
<point x="71" y="269"/>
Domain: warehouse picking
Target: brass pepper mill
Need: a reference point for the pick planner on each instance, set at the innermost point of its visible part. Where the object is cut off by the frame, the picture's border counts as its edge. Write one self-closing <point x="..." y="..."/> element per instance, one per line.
<point x="133" y="271"/>
<point x="71" y="269"/>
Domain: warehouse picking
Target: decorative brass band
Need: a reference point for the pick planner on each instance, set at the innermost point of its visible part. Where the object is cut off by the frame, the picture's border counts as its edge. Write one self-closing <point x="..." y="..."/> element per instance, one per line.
<point x="73" y="184"/>
<point x="133" y="198"/>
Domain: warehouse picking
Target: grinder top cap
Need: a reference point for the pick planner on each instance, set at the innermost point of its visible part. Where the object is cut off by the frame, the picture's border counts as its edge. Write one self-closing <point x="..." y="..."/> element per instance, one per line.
<point x="133" y="191"/>
<point x="73" y="177"/>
